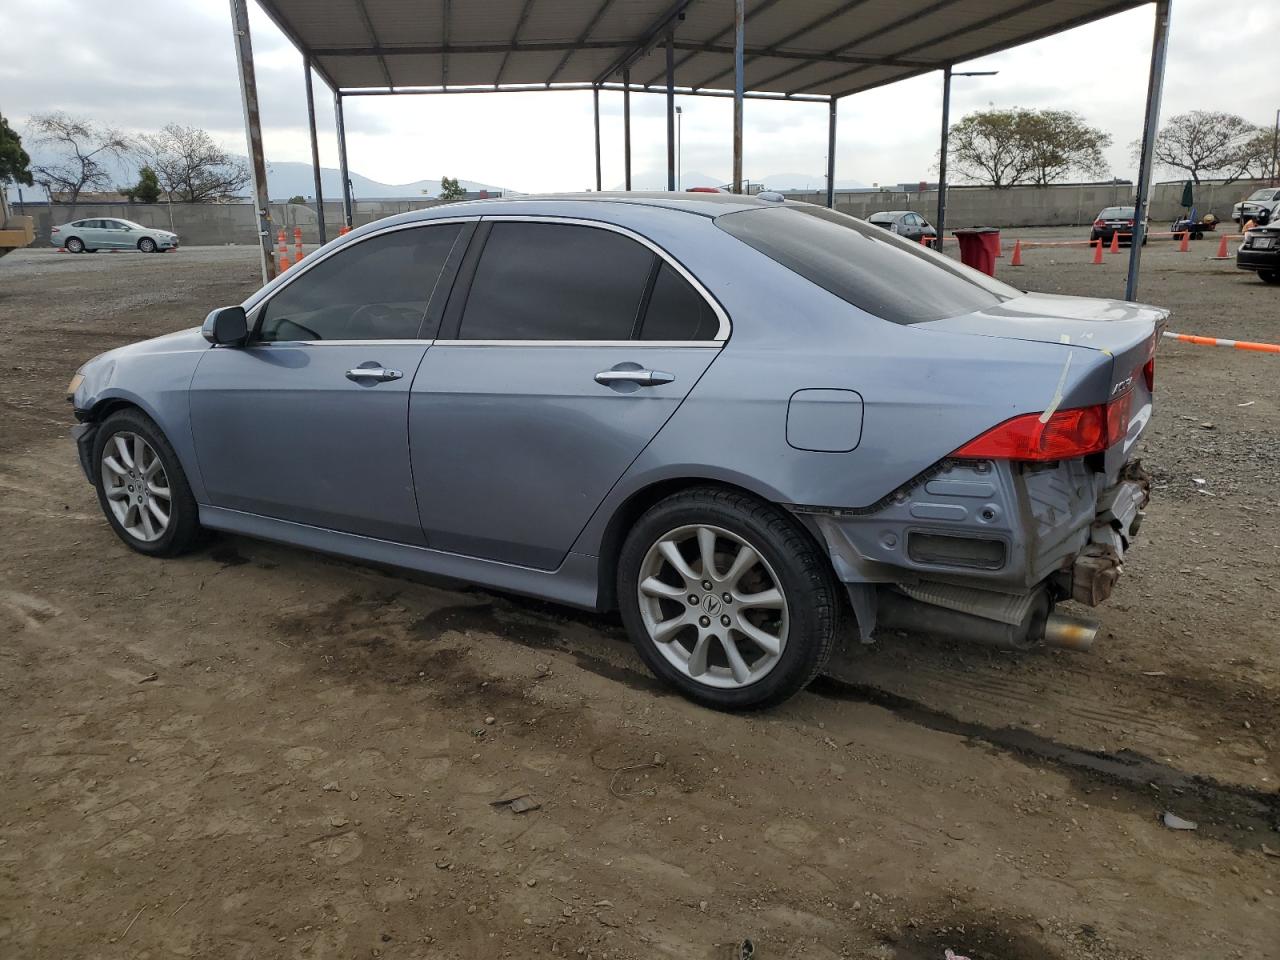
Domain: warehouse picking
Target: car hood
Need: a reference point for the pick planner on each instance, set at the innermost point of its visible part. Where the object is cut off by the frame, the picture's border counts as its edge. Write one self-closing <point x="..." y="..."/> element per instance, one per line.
<point x="179" y="342"/>
<point x="1112" y="326"/>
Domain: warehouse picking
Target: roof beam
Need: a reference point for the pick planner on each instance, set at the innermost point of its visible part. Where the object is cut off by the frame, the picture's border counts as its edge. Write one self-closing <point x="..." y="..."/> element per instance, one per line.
<point x="285" y="27"/>
<point x="543" y="88"/>
<point x="727" y="31"/>
<point x="444" y="59"/>
<point x="582" y="38"/>
<point x="647" y="39"/>
<point x="806" y="57"/>
<point x="515" y="46"/>
<point x="961" y="31"/>
<point x="515" y="39"/>
<point x="868" y="37"/>
<point x="373" y="38"/>
<point x="823" y="20"/>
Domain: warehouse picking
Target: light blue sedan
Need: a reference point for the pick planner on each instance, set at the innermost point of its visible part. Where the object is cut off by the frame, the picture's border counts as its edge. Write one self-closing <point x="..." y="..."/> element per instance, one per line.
<point x="112" y="233"/>
<point x="734" y="419"/>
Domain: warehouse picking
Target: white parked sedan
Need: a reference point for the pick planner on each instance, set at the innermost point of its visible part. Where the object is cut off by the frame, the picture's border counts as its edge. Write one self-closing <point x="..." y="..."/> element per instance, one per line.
<point x="112" y="234"/>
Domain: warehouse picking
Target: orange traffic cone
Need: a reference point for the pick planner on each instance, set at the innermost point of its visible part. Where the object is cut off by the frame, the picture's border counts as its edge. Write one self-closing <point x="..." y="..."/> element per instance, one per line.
<point x="297" y="244"/>
<point x="344" y="231"/>
<point x="1097" y="250"/>
<point x="1115" y="241"/>
<point x="1222" y="249"/>
<point x="999" y="247"/>
<point x="282" y="252"/>
<point x="1016" y="260"/>
<point x="1184" y="246"/>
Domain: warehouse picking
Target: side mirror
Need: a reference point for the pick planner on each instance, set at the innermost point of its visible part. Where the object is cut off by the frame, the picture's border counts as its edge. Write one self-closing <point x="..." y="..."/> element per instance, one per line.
<point x="226" y="327"/>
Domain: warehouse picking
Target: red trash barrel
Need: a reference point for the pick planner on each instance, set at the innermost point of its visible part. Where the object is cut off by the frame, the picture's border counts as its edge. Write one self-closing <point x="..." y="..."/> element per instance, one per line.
<point x="979" y="248"/>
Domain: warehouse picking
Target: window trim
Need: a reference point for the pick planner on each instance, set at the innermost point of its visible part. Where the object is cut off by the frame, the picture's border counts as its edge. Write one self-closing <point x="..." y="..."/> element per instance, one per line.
<point x="314" y="260"/>
<point x="722" y="332"/>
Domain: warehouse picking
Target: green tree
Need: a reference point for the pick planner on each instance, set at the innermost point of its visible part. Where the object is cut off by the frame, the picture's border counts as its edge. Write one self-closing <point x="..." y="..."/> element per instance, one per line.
<point x="1204" y="144"/>
<point x="1058" y="143"/>
<point x="146" y="190"/>
<point x="15" y="163"/>
<point x="450" y="189"/>
<point x="298" y="198"/>
<point x="1001" y="148"/>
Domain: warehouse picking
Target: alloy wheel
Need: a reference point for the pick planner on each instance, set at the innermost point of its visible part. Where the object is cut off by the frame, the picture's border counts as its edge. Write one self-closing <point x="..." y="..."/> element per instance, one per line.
<point x="136" y="486"/>
<point x="713" y="606"/>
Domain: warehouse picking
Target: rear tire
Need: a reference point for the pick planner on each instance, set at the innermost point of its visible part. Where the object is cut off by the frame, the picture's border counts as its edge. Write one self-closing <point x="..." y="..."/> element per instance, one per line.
<point x="747" y="630"/>
<point x="147" y="245"/>
<point x="1269" y="276"/>
<point x="142" y="488"/>
<point x="74" y="245"/>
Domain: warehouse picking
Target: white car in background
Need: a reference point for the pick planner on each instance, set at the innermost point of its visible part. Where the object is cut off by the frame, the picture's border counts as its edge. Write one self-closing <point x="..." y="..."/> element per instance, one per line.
<point x="112" y="233"/>
<point x="1260" y="206"/>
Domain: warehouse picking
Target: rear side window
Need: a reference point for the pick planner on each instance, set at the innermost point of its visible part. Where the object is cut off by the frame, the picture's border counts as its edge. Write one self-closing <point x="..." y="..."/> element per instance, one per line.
<point x="376" y="289"/>
<point x="677" y="311"/>
<point x="873" y="269"/>
<point x="556" y="281"/>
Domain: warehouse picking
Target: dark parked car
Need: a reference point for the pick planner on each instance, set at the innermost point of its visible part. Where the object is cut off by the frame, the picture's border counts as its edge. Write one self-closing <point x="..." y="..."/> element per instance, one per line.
<point x="1114" y="220"/>
<point x="1261" y="252"/>
<point x="905" y="224"/>
<point x="733" y="419"/>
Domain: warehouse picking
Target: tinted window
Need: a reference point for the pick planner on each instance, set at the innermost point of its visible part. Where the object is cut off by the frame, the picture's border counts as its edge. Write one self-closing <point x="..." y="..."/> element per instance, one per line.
<point x="376" y="289"/>
<point x="870" y="268"/>
<point x="677" y="311"/>
<point x="1116" y="213"/>
<point x="555" y="281"/>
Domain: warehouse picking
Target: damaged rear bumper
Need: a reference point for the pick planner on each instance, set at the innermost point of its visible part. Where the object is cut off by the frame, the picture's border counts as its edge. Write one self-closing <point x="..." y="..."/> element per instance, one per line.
<point x="984" y="549"/>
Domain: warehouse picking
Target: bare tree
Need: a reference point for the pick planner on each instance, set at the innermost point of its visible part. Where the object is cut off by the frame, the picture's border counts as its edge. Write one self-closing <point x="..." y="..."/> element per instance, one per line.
<point x="80" y="148"/>
<point x="1258" y="155"/>
<point x="1206" y="144"/>
<point x="191" y="167"/>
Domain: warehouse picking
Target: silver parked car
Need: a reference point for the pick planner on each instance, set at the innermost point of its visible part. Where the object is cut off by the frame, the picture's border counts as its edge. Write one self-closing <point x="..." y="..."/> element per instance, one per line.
<point x="905" y="223"/>
<point x="112" y="233"/>
<point x="734" y="419"/>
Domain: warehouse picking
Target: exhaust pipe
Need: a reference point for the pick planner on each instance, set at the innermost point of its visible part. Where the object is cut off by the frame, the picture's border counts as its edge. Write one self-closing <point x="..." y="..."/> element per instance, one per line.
<point x="899" y="612"/>
<point x="1070" y="633"/>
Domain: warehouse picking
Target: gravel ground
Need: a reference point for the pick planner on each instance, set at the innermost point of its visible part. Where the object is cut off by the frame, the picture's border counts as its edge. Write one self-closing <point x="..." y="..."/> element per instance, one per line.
<point x="259" y="752"/>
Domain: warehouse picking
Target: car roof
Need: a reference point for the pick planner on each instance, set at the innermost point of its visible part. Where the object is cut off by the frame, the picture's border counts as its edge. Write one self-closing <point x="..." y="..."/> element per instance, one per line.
<point x="888" y="213"/>
<point x="702" y="204"/>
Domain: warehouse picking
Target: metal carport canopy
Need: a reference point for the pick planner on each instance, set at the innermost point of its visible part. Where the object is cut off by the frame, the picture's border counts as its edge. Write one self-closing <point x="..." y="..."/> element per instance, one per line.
<point x="819" y="48"/>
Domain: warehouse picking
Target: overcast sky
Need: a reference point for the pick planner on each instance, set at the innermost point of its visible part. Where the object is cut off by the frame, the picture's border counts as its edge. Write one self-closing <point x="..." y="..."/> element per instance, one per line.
<point x="149" y="62"/>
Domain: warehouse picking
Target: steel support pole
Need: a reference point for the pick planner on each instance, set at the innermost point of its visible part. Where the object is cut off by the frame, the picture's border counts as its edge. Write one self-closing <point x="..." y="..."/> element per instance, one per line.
<point x="671" y="111"/>
<point x="1142" y="198"/>
<point x="595" y="100"/>
<point x="315" y="150"/>
<point x="831" y="156"/>
<point x="626" y="128"/>
<point x="739" y="35"/>
<point x="942" y="156"/>
<point x="342" y="159"/>
<point x="253" y="132"/>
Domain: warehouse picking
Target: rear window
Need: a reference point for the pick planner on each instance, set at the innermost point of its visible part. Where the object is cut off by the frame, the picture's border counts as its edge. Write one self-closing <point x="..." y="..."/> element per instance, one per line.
<point x="1116" y="213"/>
<point x="873" y="269"/>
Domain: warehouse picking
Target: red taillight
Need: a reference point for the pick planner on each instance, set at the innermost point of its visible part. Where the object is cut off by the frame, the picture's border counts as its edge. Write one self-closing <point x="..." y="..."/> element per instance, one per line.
<point x="1149" y="374"/>
<point x="1129" y="222"/>
<point x="1065" y="435"/>
<point x="1099" y="223"/>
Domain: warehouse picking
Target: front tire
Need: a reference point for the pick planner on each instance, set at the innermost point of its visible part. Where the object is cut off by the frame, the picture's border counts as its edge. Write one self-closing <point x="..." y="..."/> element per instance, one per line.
<point x="727" y="599"/>
<point x="147" y="245"/>
<point x="142" y="488"/>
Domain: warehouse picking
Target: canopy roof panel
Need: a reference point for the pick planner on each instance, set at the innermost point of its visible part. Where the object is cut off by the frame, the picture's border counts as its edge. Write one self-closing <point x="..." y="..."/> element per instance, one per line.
<point x="793" y="47"/>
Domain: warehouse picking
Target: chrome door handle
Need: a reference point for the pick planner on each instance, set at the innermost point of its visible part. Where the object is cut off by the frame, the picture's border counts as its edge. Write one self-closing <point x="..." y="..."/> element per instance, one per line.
<point x="374" y="373"/>
<point x="645" y="378"/>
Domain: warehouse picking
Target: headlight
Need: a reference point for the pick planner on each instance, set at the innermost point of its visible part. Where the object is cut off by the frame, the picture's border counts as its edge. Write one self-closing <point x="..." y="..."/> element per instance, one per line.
<point x="74" y="385"/>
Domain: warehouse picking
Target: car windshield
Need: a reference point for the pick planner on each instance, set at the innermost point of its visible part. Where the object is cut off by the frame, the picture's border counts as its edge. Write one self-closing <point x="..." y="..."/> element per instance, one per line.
<point x="1260" y="195"/>
<point x="875" y="270"/>
<point x="1116" y="213"/>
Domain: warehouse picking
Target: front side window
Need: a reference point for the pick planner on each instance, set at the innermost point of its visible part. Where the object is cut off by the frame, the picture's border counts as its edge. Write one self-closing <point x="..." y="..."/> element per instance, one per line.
<point x="556" y="281"/>
<point x="376" y="289"/>
<point x="876" y="271"/>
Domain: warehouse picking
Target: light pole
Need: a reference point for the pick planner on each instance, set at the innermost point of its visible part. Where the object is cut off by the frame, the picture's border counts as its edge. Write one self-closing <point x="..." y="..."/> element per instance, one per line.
<point x="680" y="146"/>
<point x="947" y="74"/>
<point x="1275" y="150"/>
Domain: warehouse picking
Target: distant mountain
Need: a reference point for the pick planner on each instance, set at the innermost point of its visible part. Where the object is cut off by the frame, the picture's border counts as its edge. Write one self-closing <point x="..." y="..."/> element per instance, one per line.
<point x="291" y="179"/>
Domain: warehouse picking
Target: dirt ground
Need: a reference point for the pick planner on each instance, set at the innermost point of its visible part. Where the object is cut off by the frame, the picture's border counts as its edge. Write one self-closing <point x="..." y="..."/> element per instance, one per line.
<point x="259" y="752"/>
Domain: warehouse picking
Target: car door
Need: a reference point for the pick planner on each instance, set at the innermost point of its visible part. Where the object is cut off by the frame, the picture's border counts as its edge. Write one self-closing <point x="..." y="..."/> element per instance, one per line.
<point x="93" y="235"/>
<point x="307" y="423"/>
<point x="565" y="348"/>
